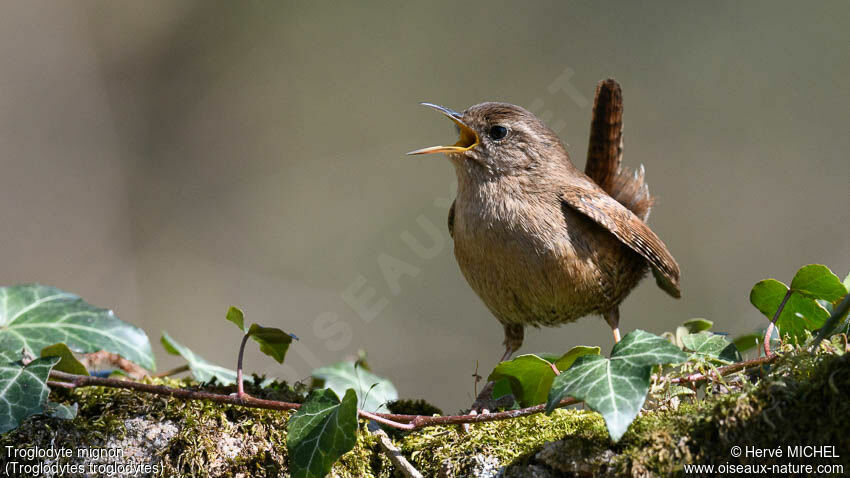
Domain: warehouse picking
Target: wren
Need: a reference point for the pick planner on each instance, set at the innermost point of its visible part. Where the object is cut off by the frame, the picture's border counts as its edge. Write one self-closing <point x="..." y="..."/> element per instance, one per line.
<point x="539" y="241"/>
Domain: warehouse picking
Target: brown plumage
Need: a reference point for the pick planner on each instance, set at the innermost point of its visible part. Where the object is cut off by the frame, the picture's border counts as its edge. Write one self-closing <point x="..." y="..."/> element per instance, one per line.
<point x="605" y="152"/>
<point x="540" y="242"/>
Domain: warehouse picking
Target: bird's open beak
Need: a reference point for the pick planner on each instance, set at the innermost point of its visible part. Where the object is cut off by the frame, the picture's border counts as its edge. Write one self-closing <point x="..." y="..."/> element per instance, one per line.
<point x="468" y="137"/>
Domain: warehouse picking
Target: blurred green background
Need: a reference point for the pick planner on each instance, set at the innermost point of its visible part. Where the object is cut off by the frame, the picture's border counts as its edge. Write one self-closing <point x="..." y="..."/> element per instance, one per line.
<point x="169" y="159"/>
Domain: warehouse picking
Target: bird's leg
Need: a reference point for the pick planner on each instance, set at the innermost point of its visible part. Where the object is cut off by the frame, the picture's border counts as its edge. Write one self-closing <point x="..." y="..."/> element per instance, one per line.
<point x="612" y="316"/>
<point x="514" y="334"/>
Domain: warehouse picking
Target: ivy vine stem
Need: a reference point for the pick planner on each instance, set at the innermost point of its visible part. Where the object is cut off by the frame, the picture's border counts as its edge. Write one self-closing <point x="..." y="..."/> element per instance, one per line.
<point x="723" y="371"/>
<point x="769" y="331"/>
<point x="174" y="371"/>
<point x="240" y="388"/>
<point x="837" y="314"/>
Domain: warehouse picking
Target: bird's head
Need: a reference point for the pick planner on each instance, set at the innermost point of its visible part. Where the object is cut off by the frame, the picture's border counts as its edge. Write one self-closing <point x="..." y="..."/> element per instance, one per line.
<point x="498" y="139"/>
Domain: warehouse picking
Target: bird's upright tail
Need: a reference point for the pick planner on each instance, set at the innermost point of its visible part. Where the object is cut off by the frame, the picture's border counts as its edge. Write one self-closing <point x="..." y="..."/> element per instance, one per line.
<point x="605" y="152"/>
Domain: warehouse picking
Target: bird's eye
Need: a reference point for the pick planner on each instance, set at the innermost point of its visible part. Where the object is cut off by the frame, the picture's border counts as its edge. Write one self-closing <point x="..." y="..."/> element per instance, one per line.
<point x="498" y="132"/>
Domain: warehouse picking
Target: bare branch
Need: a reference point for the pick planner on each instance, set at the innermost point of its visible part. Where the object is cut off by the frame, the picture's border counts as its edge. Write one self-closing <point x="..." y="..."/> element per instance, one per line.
<point x="395" y="456"/>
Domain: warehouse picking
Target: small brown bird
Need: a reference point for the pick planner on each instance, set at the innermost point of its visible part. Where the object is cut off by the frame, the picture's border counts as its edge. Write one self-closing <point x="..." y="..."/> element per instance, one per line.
<point x="538" y="240"/>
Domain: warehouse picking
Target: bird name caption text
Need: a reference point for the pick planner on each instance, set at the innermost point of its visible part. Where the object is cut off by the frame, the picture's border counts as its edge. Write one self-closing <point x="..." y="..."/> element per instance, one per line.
<point x="100" y="461"/>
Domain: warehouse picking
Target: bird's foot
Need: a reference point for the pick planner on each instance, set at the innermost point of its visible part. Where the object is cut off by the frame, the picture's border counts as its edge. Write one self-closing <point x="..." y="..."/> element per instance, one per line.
<point x="481" y="405"/>
<point x="485" y="402"/>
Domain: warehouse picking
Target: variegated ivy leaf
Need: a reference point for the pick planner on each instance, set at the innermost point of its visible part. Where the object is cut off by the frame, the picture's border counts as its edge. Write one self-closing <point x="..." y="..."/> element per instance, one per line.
<point x="615" y="387"/>
<point x="23" y="390"/>
<point x="373" y="392"/>
<point x="202" y="370"/>
<point x="67" y="363"/>
<point x="35" y="316"/>
<point x="712" y="346"/>
<point x="320" y="432"/>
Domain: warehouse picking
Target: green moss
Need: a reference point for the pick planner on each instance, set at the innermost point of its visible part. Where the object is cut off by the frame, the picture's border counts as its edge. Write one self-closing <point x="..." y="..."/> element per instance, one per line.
<point x="508" y="441"/>
<point x="365" y="459"/>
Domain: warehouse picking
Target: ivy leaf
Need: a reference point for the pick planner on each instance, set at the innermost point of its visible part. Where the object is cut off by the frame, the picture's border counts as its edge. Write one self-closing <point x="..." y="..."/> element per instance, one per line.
<point x="320" y="432"/>
<point x="373" y="392"/>
<point x="202" y="370"/>
<point x="695" y="326"/>
<point x="748" y="341"/>
<point x="813" y="290"/>
<point x="566" y="361"/>
<point x="818" y="282"/>
<point x="8" y="351"/>
<point x="34" y="316"/>
<point x="847" y="283"/>
<point x="531" y="376"/>
<point x="800" y="314"/>
<point x="67" y="363"/>
<point x="691" y="326"/>
<point x="235" y="315"/>
<point x="23" y="390"/>
<point x="60" y="410"/>
<point x="502" y="388"/>
<point x="712" y="346"/>
<point x="640" y="348"/>
<point x="839" y="313"/>
<point x="273" y="341"/>
<point x="615" y="387"/>
<point x="756" y="339"/>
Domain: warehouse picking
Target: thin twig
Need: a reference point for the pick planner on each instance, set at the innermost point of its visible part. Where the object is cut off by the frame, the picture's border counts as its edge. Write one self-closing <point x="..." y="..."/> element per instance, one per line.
<point x="770" y="327"/>
<point x="103" y="360"/>
<point x="76" y="381"/>
<point x="51" y="383"/>
<point x="174" y="371"/>
<point x="420" y="421"/>
<point x="385" y="421"/>
<point x="477" y="378"/>
<point x="837" y="314"/>
<point x="395" y="456"/>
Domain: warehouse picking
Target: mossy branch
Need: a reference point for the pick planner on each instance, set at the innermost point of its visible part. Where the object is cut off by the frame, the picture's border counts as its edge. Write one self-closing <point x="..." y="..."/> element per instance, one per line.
<point x="402" y="422"/>
<point x="399" y="421"/>
<point x="769" y="332"/>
